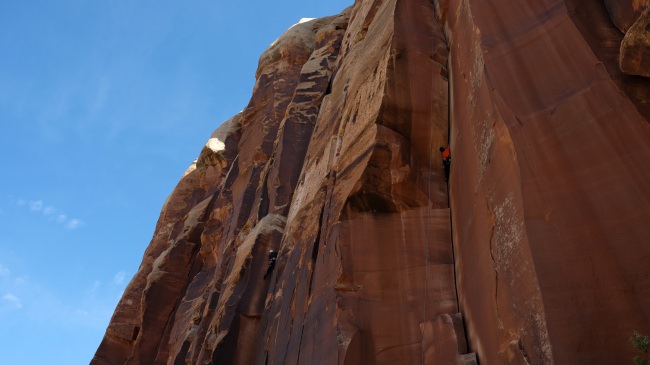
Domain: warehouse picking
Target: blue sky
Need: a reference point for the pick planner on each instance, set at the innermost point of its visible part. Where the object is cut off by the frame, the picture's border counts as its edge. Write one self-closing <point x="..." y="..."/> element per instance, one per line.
<point x="103" y="105"/>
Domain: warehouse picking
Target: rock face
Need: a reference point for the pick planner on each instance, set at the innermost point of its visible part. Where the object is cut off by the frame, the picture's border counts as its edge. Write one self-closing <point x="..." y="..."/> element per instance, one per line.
<point x="624" y="12"/>
<point x="635" y="48"/>
<point x="335" y="166"/>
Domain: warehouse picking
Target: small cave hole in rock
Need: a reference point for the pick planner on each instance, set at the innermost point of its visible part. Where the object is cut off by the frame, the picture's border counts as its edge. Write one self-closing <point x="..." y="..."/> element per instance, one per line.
<point x="136" y="331"/>
<point x="371" y="202"/>
<point x="329" y="86"/>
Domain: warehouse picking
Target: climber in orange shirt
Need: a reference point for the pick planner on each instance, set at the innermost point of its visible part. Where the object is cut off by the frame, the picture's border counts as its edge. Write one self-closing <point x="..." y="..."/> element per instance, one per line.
<point x="446" y="160"/>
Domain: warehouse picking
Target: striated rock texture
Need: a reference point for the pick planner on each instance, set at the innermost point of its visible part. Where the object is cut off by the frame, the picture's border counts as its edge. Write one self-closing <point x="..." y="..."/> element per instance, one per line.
<point x="334" y="164"/>
<point x="548" y="194"/>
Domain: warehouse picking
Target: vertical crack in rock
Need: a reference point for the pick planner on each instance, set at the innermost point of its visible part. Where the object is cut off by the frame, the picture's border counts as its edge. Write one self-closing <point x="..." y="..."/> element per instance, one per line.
<point x="496" y="271"/>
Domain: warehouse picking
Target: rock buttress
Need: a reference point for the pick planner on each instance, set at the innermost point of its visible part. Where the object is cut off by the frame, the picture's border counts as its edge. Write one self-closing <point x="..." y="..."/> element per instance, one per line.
<point x="365" y="262"/>
<point x="191" y="297"/>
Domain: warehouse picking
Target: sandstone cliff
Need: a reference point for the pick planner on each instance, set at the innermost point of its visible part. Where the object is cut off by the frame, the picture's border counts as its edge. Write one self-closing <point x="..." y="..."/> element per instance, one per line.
<point x="334" y="164"/>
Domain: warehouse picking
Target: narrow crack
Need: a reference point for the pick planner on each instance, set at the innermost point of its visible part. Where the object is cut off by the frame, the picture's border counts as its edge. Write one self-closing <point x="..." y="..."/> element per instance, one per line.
<point x="496" y="271"/>
<point x="302" y="333"/>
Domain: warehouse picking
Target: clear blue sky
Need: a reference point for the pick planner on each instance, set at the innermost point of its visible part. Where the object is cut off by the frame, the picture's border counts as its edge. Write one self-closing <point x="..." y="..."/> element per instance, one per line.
<point x="103" y="105"/>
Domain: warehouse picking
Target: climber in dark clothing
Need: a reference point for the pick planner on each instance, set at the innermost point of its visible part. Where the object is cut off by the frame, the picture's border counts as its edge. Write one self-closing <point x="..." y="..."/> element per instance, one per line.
<point x="446" y="160"/>
<point x="272" y="257"/>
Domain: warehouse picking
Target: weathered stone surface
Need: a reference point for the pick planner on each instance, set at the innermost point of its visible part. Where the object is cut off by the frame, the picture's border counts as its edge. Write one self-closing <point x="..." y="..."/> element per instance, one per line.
<point x="334" y="164"/>
<point x="635" y="48"/>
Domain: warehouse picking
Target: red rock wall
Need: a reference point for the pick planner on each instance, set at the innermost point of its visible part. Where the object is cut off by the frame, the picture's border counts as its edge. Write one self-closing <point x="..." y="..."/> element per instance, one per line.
<point x="547" y="189"/>
<point x="334" y="164"/>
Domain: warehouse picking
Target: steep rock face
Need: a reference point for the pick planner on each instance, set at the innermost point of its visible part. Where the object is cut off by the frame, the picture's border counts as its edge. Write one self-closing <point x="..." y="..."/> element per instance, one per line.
<point x="334" y="164"/>
<point x="547" y="189"/>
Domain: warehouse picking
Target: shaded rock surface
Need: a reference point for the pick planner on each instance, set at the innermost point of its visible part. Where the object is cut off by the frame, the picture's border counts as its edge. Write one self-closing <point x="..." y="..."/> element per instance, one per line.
<point x="334" y="165"/>
<point x="625" y="12"/>
<point x="635" y="48"/>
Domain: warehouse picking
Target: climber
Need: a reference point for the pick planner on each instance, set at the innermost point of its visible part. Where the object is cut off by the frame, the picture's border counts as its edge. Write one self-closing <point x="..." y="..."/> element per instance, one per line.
<point x="272" y="257"/>
<point x="446" y="160"/>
